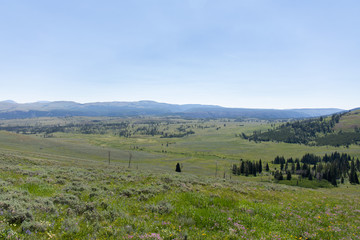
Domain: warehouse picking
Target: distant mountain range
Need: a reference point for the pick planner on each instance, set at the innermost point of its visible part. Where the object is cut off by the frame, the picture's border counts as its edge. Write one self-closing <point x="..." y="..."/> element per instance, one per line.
<point x="11" y="110"/>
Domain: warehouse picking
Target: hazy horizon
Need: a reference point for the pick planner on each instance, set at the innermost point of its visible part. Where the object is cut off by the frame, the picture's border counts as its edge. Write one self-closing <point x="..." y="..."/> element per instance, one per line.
<point x="233" y="53"/>
<point x="149" y="100"/>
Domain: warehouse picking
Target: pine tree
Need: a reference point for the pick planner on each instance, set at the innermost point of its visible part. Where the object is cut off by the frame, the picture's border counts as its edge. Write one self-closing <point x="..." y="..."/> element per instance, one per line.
<point x="288" y="175"/>
<point x="281" y="176"/>
<point x="278" y="175"/>
<point x="333" y="181"/>
<point x="178" y="169"/>
<point x="332" y="173"/>
<point x="242" y="167"/>
<point x="308" y="173"/>
<point x="267" y="167"/>
<point x="260" y="167"/>
<point x="353" y="178"/>
<point x="356" y="178"/>
<point x="234" y="169"/>
<point x="238" y="171"/>
<point x="352" y="173"/>
<point x="255" y="167"/>
<point x="246" y="171"/>
<point x="310" y="177"/>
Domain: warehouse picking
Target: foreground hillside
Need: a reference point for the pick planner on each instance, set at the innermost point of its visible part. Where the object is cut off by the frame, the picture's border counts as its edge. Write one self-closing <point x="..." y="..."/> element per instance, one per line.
<point x="69" y="199"/>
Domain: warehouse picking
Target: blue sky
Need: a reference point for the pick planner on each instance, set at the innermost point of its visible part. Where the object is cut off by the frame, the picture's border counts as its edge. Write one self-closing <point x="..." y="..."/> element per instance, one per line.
<point x="233" y="53"/>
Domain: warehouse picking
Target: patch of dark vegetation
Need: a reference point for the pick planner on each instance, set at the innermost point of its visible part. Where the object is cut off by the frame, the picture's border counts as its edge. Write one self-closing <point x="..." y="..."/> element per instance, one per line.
<point x="334" y="168"/>
<point x="122" y="129"/>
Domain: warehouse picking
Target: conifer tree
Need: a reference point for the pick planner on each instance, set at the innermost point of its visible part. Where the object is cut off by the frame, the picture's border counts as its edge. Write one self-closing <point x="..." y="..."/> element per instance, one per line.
<point x="238" y="170"/>
<point x="267" y="167"/>
<point x="234" y="169"/>
<point x="242" y="168"/>
<point x="353" y="178"/>
<point x="247" y="170"/>
<point x="310" y="177"/>
<point x="288" y="175"/>
<point x="178" y="169"/>
<point x="281" y="176"/>
<point x="332" y="174"/>
<point x="333" y="181"/>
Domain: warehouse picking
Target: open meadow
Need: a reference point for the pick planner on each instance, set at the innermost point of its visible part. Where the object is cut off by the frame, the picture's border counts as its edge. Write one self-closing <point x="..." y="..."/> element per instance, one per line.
<point x="213" y="143"/>
<point x="112" y="178"/>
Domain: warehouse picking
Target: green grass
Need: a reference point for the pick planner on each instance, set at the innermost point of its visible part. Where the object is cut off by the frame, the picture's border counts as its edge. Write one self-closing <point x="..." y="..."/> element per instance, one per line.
<point x="305" y="183"/>
<point x="104" y="202"/>
<point x="39" y="189"/>
<point x="64" y="188"/>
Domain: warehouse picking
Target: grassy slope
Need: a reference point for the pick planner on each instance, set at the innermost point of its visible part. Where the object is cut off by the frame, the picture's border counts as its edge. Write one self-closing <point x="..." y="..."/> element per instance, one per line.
<point x="71" y="199"/>
<point x="349" y="121"/>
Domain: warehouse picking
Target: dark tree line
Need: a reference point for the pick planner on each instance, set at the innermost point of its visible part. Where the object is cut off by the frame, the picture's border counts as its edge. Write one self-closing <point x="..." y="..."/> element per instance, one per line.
<point x="247" y="168"/>
<point x="331" y="167"/>
<point x="93" y="127"/>
<point x="122" y="129"/>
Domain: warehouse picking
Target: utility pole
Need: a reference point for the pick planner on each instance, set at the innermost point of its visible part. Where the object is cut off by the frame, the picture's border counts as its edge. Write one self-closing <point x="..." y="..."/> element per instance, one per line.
<point x="216" y="169"/>
<point x="230" y="173"/>
<point x="130" y="157"/>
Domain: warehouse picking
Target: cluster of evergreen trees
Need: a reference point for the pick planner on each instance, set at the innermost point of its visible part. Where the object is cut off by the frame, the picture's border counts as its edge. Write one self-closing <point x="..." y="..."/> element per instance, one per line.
<point x="334" y="168"/>
<point x="247" y="168"/>
<point x="331" y="167"/>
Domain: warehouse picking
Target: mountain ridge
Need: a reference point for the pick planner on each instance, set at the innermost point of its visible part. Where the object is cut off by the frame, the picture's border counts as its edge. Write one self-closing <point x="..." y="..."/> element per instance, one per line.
<point x="10" y="109"/>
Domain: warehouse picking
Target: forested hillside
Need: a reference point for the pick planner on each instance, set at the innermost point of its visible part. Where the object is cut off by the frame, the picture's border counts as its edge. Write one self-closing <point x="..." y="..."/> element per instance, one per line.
<point x="337" y="130"/>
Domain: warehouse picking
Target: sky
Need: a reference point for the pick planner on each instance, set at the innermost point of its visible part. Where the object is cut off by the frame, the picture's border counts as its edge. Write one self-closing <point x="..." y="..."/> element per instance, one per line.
<point x="233" y="53"/>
